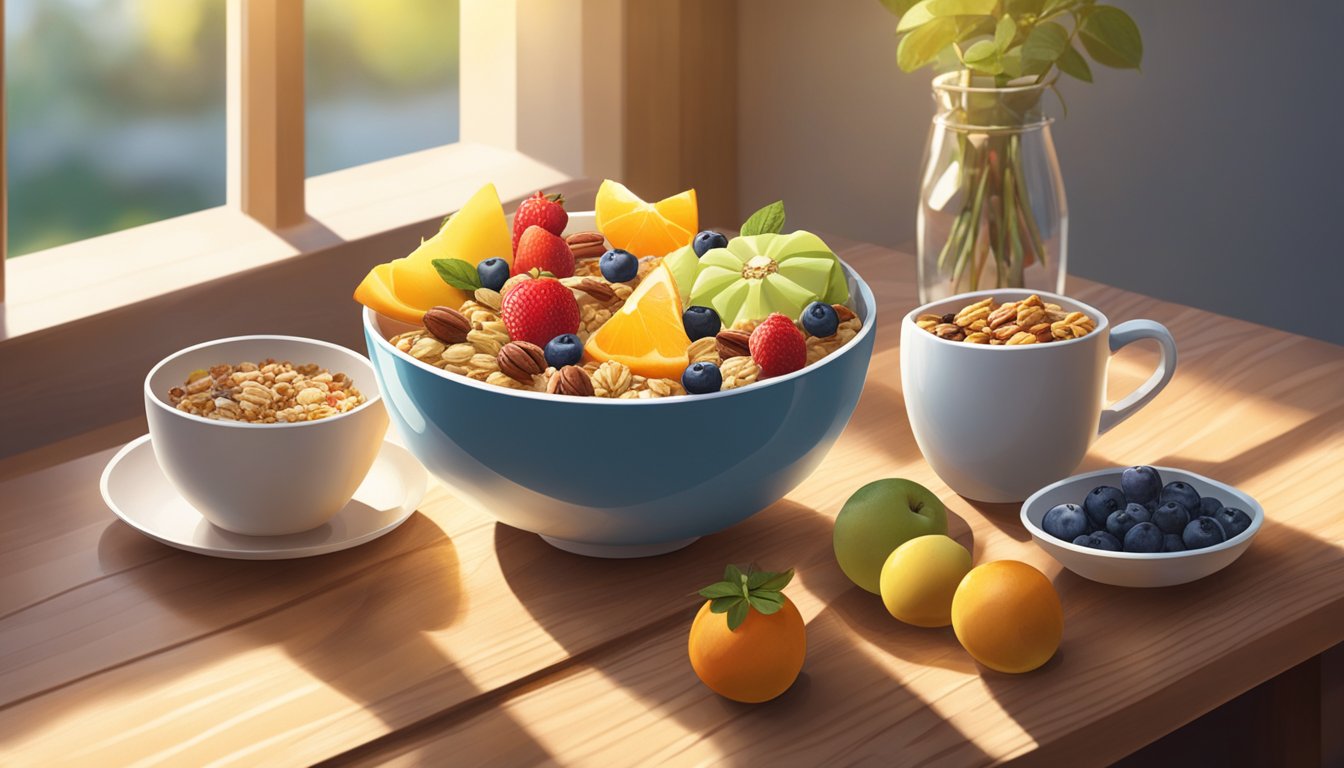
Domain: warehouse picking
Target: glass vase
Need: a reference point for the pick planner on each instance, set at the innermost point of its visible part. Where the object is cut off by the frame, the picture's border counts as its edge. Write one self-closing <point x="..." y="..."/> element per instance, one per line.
<point x="992" y="212"/>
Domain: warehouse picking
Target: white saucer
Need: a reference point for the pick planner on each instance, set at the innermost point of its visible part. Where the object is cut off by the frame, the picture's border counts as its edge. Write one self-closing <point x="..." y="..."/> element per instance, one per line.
<point x="136" y="489"/>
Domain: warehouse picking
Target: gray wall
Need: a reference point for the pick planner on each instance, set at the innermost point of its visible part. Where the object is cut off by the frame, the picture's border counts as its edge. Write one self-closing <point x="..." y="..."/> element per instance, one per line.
<point x="1214" y="178"/>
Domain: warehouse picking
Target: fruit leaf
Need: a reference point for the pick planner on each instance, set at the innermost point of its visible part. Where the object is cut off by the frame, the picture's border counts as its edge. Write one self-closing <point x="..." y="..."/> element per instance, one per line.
<point x="767" y="221"/>
<point x="739" y="593"/>
<point x="1111" y="37"/>
<point x="458" y="274"/>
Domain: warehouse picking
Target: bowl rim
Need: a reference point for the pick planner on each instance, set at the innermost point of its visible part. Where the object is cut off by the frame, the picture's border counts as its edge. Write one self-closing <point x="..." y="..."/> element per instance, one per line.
<point x="1103" y="322"/>
<point x="868" y="327"/>
<point x="1257" y="511"/>
<point x="370" y="397"/>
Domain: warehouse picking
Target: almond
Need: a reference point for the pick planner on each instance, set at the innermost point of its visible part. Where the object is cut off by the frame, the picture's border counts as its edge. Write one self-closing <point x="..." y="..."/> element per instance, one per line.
<point x="447" y="325"/>
<point x="521" y="360"/>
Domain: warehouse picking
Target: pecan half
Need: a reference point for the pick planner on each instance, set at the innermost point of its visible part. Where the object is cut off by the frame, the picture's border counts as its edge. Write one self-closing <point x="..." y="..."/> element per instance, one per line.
<point x="949" y="331"/>
<point x="599" y="290"/>
<point x="732" y="343"/>
<point x="571" y="380"/>
<point x="1006" y="332"/>
<point x="586" y="245"/>
<point x="1006" y="313"/>
<point x="447" y="325"/>
<point x="521" y="360"/>
<point x="844" y="313"/>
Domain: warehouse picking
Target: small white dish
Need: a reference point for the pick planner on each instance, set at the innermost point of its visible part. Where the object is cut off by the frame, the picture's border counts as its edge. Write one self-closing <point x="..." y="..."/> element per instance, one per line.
<point x="139" y="493"/>
<point x="1134" y="569"/>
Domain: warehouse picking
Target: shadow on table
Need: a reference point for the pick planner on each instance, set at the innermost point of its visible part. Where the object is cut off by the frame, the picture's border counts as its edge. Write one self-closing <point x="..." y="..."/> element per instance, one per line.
<point x="839" y="675"/>
<point x="1156" y="644"/>
<point x="355" y="620"/>
<point x="879" y="421"/>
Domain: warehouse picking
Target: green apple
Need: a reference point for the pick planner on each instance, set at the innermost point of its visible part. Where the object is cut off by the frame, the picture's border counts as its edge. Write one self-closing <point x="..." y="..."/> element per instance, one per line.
<point x="877" y="519"/>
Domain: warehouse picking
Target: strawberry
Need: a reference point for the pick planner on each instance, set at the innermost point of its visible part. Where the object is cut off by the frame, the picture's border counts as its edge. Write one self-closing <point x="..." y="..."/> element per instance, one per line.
<point x="538" y="310"/>
<point x="777" y="346"/>
<point x="540" y="249"/>
<point x="545" y="211"/>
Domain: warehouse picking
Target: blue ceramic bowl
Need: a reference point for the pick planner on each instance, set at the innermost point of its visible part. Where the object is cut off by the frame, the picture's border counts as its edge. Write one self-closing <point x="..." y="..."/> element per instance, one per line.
<point x="621" y="478"/>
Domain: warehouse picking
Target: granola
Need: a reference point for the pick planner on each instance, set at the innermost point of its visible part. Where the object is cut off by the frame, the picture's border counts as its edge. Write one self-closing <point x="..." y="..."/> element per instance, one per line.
<point x="269" y="392"/>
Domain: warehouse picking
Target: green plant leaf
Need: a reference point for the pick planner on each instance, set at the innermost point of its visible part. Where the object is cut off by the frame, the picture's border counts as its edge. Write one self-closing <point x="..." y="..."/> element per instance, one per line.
<point x="983" y="56"/>
<point x="458" y="273"/>
<point x="974" y="26"/>
<point x="1053" y="7"/>
<point x="766" y="602"/>
<point x="927" y="10"/>
<point x="720" y="589"/>
<point x="732" y="575"/>
<point x="1004" y="33"/>
<point x="1111" y="37"/>
<point x="1022" y="8"/>
<point x="898" y="7"/>
<point x="922" y="45"/>
<point x="1045" y="44"/>
<point x="738" y="614"/>
<point x="1012" y="64"/>
<point x="777" y="581"/>
<point x="1072" y="63"/>
<point x="768" y="220"/>
<point x="722" y="604"/>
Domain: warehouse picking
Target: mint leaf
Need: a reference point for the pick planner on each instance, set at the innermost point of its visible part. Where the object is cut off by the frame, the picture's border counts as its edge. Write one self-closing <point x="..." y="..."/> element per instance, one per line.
<point x="778" y="581"/>
<point x="767" y="221"/>
<point x="766" y="602"/>
<point x="722" y="604"/>
<point x="458" y="274"/>
<point x="732" y="575"/>
<point x="738" y="614"/>
<point x="720" y="589"/>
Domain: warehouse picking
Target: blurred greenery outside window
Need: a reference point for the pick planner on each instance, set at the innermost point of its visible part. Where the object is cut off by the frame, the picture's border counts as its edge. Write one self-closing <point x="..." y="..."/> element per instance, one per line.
<point x="116" y="108"/>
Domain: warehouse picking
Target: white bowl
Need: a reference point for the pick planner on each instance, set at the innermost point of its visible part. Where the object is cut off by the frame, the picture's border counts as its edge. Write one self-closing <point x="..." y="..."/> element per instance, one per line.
<point x="1134" y="569"/>
<point x="265" y="479"/>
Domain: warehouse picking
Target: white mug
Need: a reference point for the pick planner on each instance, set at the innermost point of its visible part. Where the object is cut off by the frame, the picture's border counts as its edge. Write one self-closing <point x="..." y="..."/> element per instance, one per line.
<point x="997" y="423"/>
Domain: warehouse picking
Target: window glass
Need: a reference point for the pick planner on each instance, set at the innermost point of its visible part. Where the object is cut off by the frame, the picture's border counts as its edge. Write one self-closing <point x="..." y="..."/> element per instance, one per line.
<point x="381" y="79"/>
<point x="116" y="115"/>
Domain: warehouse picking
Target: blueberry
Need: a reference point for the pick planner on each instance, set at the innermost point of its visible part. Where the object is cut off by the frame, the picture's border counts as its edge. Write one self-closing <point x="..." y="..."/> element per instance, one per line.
<point x="1180" y="492"/>
<point x="618" y="266"/>
<point x="1121" y="520"/>
<point x="1144" y="537"/>
<point x="701" y="378"/>
<point x="1101" y="502"/>
<point x="1083" y="541"/>
<point x="1172" y="542"/>
<point x="1202" y="532"/>
<point x="493" y="272"/>
<point x="1207" y="506"/>
<point x="565" y="349"/>
<point x="700" y="322"/>
<point x="1066" y="521"/>
<point x="1171" y="517"/>
<point x="1102" y="540"/>
<point x="1141" y="484"/>
<point x="1233" y="520"/>
<point x="706" y="240"/>
<point x="820" y="320"/>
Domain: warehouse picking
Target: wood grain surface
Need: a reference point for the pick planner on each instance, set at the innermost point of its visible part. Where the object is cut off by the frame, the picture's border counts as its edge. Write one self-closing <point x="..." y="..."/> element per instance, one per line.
<point x="459" y="639"/>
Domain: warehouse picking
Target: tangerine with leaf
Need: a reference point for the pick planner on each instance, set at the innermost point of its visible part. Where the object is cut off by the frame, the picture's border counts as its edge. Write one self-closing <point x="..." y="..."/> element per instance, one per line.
<point x="748" y="640"/>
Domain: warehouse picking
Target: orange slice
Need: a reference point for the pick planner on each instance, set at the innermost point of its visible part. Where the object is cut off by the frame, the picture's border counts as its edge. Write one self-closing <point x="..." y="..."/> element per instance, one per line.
<point x="646" y="229"/>
<point x="376" y="292"/>
<point x="646" y="333"/>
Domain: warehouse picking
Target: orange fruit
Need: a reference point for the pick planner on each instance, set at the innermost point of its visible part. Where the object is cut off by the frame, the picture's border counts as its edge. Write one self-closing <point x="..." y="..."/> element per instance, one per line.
<point x="1007" y="616"/>
<point x="645" y="229"/>
<point x="405" y="288"/>
<point x="755" y="662"/>
<point x="646" y="333"/>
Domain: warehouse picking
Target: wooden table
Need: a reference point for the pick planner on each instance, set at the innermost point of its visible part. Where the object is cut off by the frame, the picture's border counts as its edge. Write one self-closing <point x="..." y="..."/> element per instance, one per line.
<point x="456" y="639"/>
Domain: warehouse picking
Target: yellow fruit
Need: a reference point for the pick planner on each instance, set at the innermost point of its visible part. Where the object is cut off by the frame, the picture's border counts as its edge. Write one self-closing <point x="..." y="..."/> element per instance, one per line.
<point x="920" y="578"/>
<point x="645" y="229"/>
<point x="1007" y="616"/>
<point x="475" y="233"/>
<point x="646" y="333"/>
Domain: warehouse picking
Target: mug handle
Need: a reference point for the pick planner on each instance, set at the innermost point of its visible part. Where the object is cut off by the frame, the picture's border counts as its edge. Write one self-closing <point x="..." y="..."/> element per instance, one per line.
<point x="1123" y="335"/>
